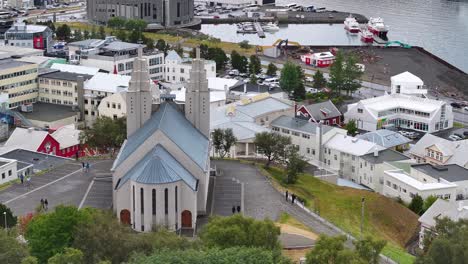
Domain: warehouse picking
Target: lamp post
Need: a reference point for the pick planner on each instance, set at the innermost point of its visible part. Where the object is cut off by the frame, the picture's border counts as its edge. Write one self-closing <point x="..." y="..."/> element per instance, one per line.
<point x="362" y="215"/>
<point x="6" y="226"/>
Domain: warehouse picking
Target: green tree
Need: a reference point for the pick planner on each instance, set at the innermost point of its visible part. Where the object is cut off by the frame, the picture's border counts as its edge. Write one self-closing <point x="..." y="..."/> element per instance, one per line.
<point x="149" y="42"/>
<point x="223" y="140"/>
<point x="429" y="201"/>
<point x="292" y="80"/>
<point x="351" y="74"/>
<point x="295" y="164"/>
<point x="326" y="250"/>
<point x="116" y="22"/>
<point x="77" y="35"/>
<point x="134" y="36"/>
<point x="218" y="55"/>
<point x="121" y="35"/>
<point x="245" y="44"/>
<point x="93" y="33"/>
<point x="102" y="32"/>
<point x="105" y="133"/>
<point x="10" y="218"/>
<point x="11" y="251"/>
<point x="319" y="80"/>
<point x="351" y="127"/>
<point x="179" y="50"/>
<point x="138" y="25"/>
<point x="253" y="78"/>
<point x="237" y="230"/>
<point x="369" y="249"/>
<point x="213" y="256"/>
<point x="337" y="78"/>
<point x="86" y="34"/>
<point x="49" y="234"/>
<point x="416" y="204"/>
<point x="344" y="74"/>
<point x="271" y="69"/>
<point x="272" y="145"/>
<point x="68" y="256"/>
<point x="63" y="32"/>
<point x="162" y="46"/>
<point x="255" y="65"/>
<point x="29" y="260"/>
<point x="239" y="62"/>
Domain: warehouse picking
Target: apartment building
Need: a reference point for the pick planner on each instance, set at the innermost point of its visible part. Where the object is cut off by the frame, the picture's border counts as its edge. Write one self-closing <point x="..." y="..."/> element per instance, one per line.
<point x="407" y="83"/>
<point x="30" y="36"/>
<point x="19" y="80"/>
<point x="114" y="56"/>
<point x="401" y="112"/>
<point x="58" y="87"/>
<point x="178" y="68"/>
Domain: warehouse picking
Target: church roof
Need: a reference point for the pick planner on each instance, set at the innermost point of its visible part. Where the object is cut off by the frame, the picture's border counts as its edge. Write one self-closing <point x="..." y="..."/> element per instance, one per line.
<point x="159" y="167"/>
<point x="172" y="122"/>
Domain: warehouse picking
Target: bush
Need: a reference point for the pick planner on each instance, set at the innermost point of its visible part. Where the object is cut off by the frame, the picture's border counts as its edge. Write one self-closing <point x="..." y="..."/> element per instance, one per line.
<point x="245" y="44"/>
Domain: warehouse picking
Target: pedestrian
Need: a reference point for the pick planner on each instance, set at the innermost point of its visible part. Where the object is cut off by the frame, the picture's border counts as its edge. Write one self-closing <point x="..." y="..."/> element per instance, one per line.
<point x="87" y="166"/>
<point x="22" y="178"/>
<point x="28" y="181"/>
<point x="83" y="166"/>
<point x="42" y="203"/>
<point x="293" y="198"/>
<point x="46" y="204"/>
<point x="233" y="209"/>
<point x="287" y="195"/>
<point x="238" y="208"/>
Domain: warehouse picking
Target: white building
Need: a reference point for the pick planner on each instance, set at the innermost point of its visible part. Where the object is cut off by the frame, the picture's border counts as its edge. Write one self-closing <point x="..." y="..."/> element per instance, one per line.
<point x="8" y="171"/>
<point x="407" y="83"/>
<point x="439" y="151"/>
<point x="161" y="173"/>
<point x="401" y="111"/>
<point x="454" y="210"/>
<point x="30" y="36"/>
<point x="114" y="56"/>
<point x="178" y="68"/>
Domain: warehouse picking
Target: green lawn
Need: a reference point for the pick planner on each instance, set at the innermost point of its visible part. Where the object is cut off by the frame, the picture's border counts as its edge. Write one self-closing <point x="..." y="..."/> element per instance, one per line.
<point x="384" y="218"/>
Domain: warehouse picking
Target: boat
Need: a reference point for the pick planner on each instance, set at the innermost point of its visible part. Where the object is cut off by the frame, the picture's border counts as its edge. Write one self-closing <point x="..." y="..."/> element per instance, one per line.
<point x="270" y="27"/>
<point x="367" y="36"/>
<point x="351" y="25"/>
<point x="377" y="26"/>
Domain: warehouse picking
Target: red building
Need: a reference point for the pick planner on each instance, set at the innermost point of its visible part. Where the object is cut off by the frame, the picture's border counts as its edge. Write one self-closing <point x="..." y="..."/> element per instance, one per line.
<point x="320" y="59"/>
<point x="325" y="112"/>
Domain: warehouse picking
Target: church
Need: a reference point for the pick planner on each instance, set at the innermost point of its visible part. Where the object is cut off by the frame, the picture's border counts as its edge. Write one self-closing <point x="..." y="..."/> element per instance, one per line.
<point x="161" y="174"/>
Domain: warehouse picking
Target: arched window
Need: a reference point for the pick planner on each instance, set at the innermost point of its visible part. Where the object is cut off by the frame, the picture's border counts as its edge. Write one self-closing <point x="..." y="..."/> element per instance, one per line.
<point x="154" y="201"/>
<point x="176" y="199"/>
<point x="142" y="205"/>
<point x="133" y="199"/>
<point x="166" y="201"/>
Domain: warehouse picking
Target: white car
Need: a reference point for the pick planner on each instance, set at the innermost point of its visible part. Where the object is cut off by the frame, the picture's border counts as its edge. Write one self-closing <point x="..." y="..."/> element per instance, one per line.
<point x="312" y="90"/>
<point x="466" y="108"/>
<point x="309" y="79"/>
<point x="234" y="72"/>
<point x="454" y="138"/>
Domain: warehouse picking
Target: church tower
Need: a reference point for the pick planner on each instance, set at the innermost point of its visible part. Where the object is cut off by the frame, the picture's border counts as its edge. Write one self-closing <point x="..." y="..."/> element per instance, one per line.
<point x="139" y="98"/>
<point x="197" y="97"/>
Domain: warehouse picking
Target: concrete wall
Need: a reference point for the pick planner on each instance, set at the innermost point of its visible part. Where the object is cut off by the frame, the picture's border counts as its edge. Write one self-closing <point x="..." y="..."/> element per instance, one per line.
<point x="8" y="171"/>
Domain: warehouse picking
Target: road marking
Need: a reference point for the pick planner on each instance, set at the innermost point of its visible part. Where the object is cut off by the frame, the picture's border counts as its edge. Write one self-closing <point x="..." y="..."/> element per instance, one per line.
<point x="43" y="186"/>
<point x="86" y="194"/>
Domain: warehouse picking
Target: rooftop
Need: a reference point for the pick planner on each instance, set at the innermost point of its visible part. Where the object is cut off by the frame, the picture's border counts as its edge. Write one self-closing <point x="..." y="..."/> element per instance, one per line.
<point x="106" y="82"/>
<point x="215" y="96"/>
<point x="121" y="46"/>
<point x="418" y="185"/>
<point x="451" y="173"/>
<point x="454" y="210"/>
<point x="23" y="28"/>
<point x="86" y="43"/>
<point x="351" y="145"/>
<point x="242" y="87"/>
<point x="392" y="101"/>
<point x="6" y="64"/>
<point x="385" y="138"/>
<point x="33" y="142"/>
<point x="406" y="77"/>
<point x="216" y="83"/>
<point x="8" y="51"/>
<point x="323" y="110"/>
<point x="75" y="69"/>
<point x="386" y="155"/>
<point x="67" y="136"/>
<point x="40" y="161"/>
<point x="67" y="76"/>
<point x="454" y="150"/>
<point x="49" y="112"/>
<point x="299" y="125"/>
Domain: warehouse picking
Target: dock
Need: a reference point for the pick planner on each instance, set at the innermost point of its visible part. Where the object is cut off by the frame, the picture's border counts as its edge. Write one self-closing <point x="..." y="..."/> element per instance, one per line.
<point x="259" y="29"/>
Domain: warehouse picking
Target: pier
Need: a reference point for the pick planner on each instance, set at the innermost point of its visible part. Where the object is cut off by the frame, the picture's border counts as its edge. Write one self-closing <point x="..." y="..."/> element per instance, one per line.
<point x="259" y="29"/>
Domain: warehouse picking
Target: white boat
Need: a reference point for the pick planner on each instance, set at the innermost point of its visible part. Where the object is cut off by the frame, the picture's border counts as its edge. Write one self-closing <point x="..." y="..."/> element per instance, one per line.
<point x="377" y="26"/>
<point x="270" y="27"/>
<point x="351" y="25"/>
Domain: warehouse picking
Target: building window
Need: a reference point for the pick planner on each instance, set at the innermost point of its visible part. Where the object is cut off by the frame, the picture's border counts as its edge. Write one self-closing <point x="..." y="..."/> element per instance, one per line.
<point x="176" y="200"/>
<point x="336" y="157"/>
<point x="153" y="199"/>
<point x="133" y="195"/>
<point x="308" y="150"/>
<point x="142" y="206"/>
<point x="166" y="201"/>
<point x="9" y="173"/>
<point x="360" y="111"/>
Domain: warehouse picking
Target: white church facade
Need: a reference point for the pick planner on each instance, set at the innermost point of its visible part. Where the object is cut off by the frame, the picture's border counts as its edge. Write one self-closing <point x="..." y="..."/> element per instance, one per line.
<point x="161" y="174"/>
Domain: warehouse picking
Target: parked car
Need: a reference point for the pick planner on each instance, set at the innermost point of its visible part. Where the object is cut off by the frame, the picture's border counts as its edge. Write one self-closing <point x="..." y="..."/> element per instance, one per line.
<point x="233" y="72"/>
<point x="454" y="137"/>
<point x="309" y="79"/>
<point x="412" y="135"/>
<point x="465" y="133"/>
<point x="311" y="90"/>
<point x="403" y="133"/>
<point x="455" y="105"/>
<point x="459" y="135"/>
<point x="244" y="75"/>
<point x="466" y="108"/>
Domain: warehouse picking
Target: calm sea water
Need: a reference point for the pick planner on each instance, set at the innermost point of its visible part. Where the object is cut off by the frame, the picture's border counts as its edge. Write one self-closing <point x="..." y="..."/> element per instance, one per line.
<point x="439" y="26"/>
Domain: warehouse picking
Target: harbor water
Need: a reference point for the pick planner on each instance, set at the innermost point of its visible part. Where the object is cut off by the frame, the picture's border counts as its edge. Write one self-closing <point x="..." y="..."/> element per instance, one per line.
<point x="440" y="26"/>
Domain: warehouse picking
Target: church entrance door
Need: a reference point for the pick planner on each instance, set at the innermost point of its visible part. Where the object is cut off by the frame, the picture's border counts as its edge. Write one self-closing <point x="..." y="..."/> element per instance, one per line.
<point x="186" y="219"/>
<point x="125" y="217"/>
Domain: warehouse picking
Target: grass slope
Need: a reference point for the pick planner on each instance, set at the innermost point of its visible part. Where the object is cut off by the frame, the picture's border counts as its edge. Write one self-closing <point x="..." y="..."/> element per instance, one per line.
<point x="384" y="218"/>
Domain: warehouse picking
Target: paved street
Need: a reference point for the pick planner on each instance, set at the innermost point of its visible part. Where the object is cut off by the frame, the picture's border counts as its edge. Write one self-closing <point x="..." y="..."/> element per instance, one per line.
<point x="63" y="185"/>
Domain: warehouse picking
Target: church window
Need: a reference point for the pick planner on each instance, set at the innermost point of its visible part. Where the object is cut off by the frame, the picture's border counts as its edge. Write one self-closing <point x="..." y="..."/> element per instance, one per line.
<point x="142" y="205"/>
<point x="176" y="199"/>
<point x="154" y="201"/>
<point x="166" y="201"/>
<point x="133" y="199"/>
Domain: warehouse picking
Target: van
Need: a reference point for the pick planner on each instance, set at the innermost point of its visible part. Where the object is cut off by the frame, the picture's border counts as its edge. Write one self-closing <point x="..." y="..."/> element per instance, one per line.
<point x="272" y="80"/>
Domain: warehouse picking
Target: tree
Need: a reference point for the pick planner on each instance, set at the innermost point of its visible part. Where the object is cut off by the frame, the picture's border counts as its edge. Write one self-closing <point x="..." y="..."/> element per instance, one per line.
<point x="49" y="234"/>
<point x="77" y="35"/>
<point x="213" y="256"/>
<point x="253" y="78"/>
<point x="29" y="260"/>
<point x="149" y="42"/>
<point x="295" y="164"/>
<point x="105" y="133"/>
<point x="162" y="46"/>
<point x="218" y="55"/>
<point x="344" y="74"/>
<point x="239" y="62"/>
<point x="272" y="69"/>
<point x="351" y="74"/>
<point x="429" y="201"/>
<point x="10" y="218"/>
<point x="255" y="65"/>
<point x="292" y="80"/>
<point x="351" y="127"/>
<point x="134" y="36"/>
<point x="369" y="249"/>
<point x="326" y="250"/>
<point x="223" y="140"/>
<point x="237" y="230"/>
<point x="63" y="32"/>
<point x="245" y="44"/>
<point x="116" y="22"/>
<point x="102" y="32"/>
<point x="416" y="204"/>
<point x="86" y="34"/>
<point x="121" y="35"/>
<point x="93" y="34"/>
<point x="272" y="145"/>
<point x="11" y="251"/>
<point x="179" y="50"/>
<point x="319" y="80"/>
<point x="69" y="256"/>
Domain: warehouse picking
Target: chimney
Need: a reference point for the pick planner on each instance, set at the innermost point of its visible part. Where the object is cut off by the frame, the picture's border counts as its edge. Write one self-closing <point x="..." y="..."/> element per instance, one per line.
<point x="460" y="206"/>
<point x="80" y="93"/>
<point x="376" y="152"/>
<point x="318" y="135"/>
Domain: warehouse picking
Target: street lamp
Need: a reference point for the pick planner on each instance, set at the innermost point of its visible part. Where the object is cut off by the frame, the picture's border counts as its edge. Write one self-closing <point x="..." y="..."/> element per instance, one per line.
<point x="6" y="226"/>
<point x="362" y="214"/>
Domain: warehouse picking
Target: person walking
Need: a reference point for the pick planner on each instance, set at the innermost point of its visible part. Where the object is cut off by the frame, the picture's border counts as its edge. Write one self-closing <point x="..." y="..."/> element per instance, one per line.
<point x="238" y="208"/>
<point x="46" y="204"/>
<point x="83" y="166"/>
<point x="293" y="198"/>
<point x="28" y="181"/>
<point x="87" y="166"/>
<point x="233" y="209"/>
<point x="287" y="194"/>
<point x="22" y="178"/>
<point x="42" y="204"/>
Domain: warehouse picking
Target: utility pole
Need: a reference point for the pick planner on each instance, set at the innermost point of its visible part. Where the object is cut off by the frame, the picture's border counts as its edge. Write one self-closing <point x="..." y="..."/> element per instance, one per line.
<point x="362" y="215"/>
<point x="6" y="226"/>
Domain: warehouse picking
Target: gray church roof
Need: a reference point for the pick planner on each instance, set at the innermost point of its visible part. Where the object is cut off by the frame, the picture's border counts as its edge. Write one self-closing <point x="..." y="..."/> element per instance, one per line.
<point x="159" y="167"/>
<point x="172" y="122"/>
